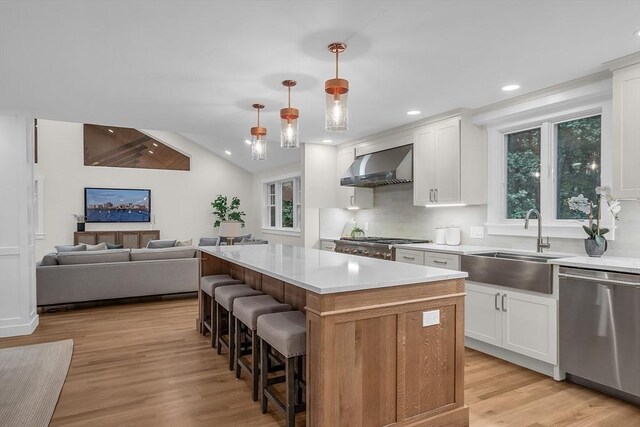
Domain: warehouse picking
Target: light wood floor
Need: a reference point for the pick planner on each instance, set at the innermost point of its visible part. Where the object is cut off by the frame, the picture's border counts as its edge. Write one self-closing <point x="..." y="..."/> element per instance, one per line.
<point x="145" y="365"/>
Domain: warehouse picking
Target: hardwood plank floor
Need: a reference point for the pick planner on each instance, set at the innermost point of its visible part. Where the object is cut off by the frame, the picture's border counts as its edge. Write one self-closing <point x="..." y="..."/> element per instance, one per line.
<point x="145" y="365"/>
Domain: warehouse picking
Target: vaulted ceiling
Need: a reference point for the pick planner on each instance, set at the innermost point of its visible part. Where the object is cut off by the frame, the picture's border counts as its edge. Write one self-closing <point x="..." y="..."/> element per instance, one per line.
<point x="195" y="67"/>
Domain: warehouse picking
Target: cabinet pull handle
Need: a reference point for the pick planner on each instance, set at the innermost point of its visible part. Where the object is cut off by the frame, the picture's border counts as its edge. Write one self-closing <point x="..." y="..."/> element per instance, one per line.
<point x="411" y="258"/>
<point x="496" y="301"/>
<point x="351" y="201"/>
<point x="504" y="307"/>
<point x="441" y="262"/>
<point x="431" y="195"/>
<point x="436" y="195"/>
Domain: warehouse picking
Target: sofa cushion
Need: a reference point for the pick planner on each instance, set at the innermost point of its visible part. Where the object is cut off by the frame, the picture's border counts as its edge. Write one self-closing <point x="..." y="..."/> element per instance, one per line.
<point x="99" y="247"/>
<point x="209" y="241"/>
<point x="49" y="259"/>
<point x="183" y="243"/>
<point x="163" y="253"/>
<point x="93" y="257"/>
<point x="112" y="246"/>
<point x="71" y="248"/>
<point x="157" y="244"/>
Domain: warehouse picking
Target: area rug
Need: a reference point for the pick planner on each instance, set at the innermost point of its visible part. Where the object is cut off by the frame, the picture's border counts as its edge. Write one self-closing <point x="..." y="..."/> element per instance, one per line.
<point x="31" y="378"/>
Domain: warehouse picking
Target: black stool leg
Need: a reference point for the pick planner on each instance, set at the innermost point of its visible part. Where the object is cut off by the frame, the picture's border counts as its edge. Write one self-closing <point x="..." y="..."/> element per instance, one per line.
<point x="238" y="338"/>
<point x="264" y="374"/>
<point x="291" y="391"/>
<point x="219" y="327"/>
<point x="255" y="364"/>
<point x="232" y="345"/>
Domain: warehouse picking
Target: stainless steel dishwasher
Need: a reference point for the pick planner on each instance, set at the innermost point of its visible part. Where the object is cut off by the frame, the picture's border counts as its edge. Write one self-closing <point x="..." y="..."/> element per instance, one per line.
<point x="600" y="330"/>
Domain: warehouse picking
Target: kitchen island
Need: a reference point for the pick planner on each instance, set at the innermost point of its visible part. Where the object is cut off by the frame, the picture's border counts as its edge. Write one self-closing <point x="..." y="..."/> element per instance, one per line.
<point x="385" y="340"/>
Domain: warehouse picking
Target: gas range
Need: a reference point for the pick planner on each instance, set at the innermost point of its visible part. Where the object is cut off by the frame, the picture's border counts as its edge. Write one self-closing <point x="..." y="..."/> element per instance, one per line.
<point x="373" y="247"/>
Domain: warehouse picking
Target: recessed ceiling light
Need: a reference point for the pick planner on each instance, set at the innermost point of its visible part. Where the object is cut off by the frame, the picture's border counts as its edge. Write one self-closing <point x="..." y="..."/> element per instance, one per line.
<point x="150" y="152"/>
<point x="327" y="140"/>
<point x="227" y="152"/>
<point x="246" y="141"/>
<point x="413" y="113"/>
<point x="111" y="130"/>
<point x="509" y="88"/>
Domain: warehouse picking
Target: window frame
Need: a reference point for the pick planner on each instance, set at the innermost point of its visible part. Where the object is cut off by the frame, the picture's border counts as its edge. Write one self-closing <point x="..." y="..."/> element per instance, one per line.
<point x="497" y="221"/>
<point x="297" y="204"/>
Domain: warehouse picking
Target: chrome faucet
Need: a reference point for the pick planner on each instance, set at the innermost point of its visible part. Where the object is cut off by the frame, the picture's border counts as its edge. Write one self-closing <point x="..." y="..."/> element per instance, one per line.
<point x="541" y="244"/>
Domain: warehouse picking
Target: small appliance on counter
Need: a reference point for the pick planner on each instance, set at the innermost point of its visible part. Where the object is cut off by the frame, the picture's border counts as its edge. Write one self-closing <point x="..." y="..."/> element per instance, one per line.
<point x="452" y="236"/>
<point x="373" y="247"/>
<point x="441" y="236"/>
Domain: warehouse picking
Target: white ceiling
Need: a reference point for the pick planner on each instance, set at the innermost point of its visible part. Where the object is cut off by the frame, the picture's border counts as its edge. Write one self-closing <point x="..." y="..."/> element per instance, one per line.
<point x="196" y="67"/>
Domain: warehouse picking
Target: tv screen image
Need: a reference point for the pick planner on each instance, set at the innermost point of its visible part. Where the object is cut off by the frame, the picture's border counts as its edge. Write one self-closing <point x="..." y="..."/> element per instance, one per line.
<point x="117" y="205"/>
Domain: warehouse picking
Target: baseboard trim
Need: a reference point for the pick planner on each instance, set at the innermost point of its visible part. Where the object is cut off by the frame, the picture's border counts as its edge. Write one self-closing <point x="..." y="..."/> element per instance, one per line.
<point x="512" y="357"/>
<point x="17" y="330"/>
<point x="115" y="301"/>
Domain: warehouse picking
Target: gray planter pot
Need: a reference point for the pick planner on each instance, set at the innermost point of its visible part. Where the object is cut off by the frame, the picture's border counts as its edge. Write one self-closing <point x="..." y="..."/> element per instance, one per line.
<point x="593" y="249"/>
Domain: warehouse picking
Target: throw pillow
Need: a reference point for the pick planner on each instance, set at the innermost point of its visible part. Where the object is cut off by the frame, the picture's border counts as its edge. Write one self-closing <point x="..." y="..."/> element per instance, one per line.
<point x="184" y="242"/>
<point x="209" y="241"/>
<point x="70" y="248"/>
<point x="158" y="244"/>
<point x="112" y="246"/>
<point x="99" y="247"/>
<point x="49" y="259"/>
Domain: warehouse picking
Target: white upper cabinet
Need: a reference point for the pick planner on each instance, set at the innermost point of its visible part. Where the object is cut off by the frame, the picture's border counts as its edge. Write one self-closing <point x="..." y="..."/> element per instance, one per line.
<point x="351" y="197"/>
<point x="449" y="164"/>
<point x="626" y="132"/>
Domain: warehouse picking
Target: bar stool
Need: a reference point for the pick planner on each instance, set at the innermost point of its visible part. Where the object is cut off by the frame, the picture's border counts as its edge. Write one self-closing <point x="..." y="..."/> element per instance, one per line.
<point x="286" y="334"/>
<point x="208" y="285"/>
<point x="247" y="311"/>
<point x="224" y="296"/>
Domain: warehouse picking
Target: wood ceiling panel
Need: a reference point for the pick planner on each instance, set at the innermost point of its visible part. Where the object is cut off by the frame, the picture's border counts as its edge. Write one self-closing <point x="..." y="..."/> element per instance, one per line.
<point x="110" y="146"/>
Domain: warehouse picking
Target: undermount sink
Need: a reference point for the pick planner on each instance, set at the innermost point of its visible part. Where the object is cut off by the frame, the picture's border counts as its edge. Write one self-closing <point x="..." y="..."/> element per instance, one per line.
<point x="520" y="271"/>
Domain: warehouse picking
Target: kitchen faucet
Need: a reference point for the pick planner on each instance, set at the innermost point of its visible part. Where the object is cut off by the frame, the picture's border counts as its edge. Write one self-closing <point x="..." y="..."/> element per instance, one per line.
<point x="541" y="245"/>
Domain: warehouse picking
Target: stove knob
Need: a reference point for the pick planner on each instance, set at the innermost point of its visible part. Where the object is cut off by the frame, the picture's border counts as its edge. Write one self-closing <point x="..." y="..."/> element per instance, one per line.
<point x="354" y="251"/>
<point x="387" y="256"/>
<point x="365" y="252"/>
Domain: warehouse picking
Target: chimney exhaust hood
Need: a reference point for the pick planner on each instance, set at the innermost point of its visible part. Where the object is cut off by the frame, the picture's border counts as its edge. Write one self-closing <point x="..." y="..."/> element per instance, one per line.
<point x="392" y="166"/>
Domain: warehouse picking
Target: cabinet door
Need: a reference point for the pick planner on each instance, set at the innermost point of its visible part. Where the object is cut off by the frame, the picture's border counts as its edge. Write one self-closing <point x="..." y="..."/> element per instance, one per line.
<point x="107" y="237"/>
<point x="626" y="132"/>
<point x="424" y="163"/>
<point x="482" y="315"/>
<point x="86" y="237"/>
<point x="129" y="239"/>
<point x="146" y="236"/>
<point x="448" y="261"/>
<point x="327" y="245"/>
<point x="529" y="325"/>
<point x="410" y="256"/>
<point x="447" y="167"/>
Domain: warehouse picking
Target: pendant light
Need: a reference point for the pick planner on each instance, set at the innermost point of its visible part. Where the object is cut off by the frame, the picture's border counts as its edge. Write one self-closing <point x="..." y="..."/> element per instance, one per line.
<point x="289" y="121"/>
<point x="258" y="138"/>
<point x="336" y="89"/>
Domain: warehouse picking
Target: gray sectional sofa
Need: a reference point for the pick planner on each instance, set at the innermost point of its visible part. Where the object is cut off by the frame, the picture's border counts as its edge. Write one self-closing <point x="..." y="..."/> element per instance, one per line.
<point x="84" y="276"/>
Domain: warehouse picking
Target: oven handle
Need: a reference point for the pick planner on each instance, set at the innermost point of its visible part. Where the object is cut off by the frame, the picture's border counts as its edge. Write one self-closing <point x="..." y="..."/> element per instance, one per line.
<point x="598" y="280"/>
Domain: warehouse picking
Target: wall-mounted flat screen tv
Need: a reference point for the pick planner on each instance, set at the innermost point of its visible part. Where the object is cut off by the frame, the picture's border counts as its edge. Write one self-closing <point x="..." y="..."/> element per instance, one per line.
<point x="117" y="205"/>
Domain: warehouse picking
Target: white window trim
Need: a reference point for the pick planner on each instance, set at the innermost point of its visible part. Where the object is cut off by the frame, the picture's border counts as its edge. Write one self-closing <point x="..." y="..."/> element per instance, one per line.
<point x="497" y="224"/>
<point x="278" y="229"/>
<point x="39" y="206"/>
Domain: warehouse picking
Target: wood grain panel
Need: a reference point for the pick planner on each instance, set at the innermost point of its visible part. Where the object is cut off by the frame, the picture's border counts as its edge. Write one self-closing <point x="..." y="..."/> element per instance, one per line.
<point x="253" y="279"/>
<point x="273" y="287"/>
<point x="148" y="235"/>
<point x="295" y="296"/>
<point x="87" y="238"/>
<point x="107" y="236"/>
<point x="237" y="272"/>
<point x="429" y="362"/>
<point x="129" y="239"/>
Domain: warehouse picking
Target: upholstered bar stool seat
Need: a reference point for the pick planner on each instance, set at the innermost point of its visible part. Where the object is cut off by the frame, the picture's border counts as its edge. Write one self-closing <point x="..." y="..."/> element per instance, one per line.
<point x="247" y="311"/>
<point x="286" y="335"/>
<point x="208" y="284"/>
<point x="224" y="297"/>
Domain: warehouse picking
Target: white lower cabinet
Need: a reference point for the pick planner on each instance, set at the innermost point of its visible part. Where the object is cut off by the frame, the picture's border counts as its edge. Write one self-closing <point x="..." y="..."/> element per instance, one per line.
<point x="517" y="321"/>
<point x="410" y="256"/>
<point x="327" y="245"/>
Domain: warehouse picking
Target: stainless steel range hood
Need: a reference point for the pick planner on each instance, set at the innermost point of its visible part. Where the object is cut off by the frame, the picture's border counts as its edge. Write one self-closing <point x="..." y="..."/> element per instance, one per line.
<point x="393" y="166"/>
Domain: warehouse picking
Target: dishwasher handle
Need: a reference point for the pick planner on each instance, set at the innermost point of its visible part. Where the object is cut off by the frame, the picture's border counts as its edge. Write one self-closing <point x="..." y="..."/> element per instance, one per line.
<point x="598" y="280"/>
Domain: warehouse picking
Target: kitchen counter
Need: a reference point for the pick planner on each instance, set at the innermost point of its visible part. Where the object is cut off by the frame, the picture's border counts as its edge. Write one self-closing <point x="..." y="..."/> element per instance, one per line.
<point x="324" y="272"/>
<point x="377" y="331"/>
<point x="457" y="250"/>
<point x="605" y="263"/>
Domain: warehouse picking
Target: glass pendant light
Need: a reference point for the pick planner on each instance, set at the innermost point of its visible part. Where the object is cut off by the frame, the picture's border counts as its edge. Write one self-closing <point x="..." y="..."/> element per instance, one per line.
<point x="289" y="121"/>
<point x="258" y="138"/>
<point x="336" y="114"/>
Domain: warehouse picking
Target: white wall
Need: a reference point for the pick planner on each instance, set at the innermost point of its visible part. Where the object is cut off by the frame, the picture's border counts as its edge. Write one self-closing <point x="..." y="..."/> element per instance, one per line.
<point x="258" y="200"/>
<point x="18" y="314"/>
<point x="180" y="200"/>
<point x="319" y="163"/>
<point x="394" y="215"/>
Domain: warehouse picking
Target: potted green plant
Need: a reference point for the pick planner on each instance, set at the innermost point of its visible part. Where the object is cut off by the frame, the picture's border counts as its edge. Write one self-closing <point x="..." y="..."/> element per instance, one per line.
<point x="229" y="217"/>
<point x="357" y="232"/>
<point x="596" y="244"/>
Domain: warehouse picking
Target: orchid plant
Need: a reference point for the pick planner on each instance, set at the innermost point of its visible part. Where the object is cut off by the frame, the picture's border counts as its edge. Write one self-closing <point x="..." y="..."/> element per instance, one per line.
<point x="79" y="218"/>
<point x="582" y="204"/>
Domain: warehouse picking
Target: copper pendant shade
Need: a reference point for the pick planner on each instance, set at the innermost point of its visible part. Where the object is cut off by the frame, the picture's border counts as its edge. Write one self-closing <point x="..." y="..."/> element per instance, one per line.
<point x="289" y="121"/>
<point x="336" y="117"/>
<point x="258" y="138"/>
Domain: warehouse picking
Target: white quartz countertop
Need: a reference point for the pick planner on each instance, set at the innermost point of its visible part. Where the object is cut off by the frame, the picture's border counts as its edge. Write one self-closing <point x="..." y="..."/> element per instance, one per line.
<point x="326" y="272"/>
<point x="608" y="263"/>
